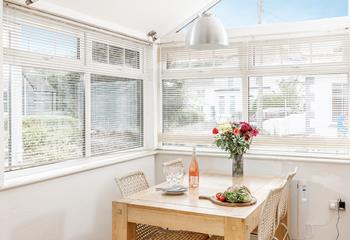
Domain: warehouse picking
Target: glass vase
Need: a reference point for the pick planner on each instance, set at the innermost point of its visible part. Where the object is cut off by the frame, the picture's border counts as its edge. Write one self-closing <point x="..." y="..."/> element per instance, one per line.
<point x="237" y="165"/>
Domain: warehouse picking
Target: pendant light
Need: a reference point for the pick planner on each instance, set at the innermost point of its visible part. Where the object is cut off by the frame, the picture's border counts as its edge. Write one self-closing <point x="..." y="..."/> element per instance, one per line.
<point x="207" y="33"/>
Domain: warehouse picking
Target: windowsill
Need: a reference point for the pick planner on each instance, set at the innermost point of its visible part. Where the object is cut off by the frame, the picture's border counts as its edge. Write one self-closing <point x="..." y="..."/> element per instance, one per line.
<point x="313" y="158"/>
<point x="38" y="174"/>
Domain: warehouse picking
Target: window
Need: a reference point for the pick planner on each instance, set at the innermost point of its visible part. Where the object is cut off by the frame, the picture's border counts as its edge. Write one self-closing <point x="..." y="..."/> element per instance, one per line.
<point x="56" y="106"/>
<point x="99" y="52"/>
<point x="42" y="41"/>
<point x="116" y="55"/>
<point x="221" y="105"/>
<point x="116" y="114"/>
<point x="297" y="52"/>
<point x="6" y="100"/>
<point x="132" y="59"/>
<point x="340" y="107"/>
<point x="289" y="106"/>
<point x="113" y="55"/>
<point x="49" y="125"/>
<point x="295" y="89"/>
<point x="232" y="103"/>
<point x="189" y="59"/>
<point x="195" y="106"/>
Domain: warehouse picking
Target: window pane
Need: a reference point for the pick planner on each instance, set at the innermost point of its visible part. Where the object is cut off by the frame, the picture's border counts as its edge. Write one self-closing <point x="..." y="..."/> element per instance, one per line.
<point x="6" y="100"/>
<point x="309" y="106"/>
<point x="328" y="51"/>
<point x="132" y="59"/>
<point x="183" y="59"/>
<point x="272" y="53"/>
<point x="46" y="118"/>
<point x="285" y="54"/>
<point x="99" y="52"/>
<point x="177" y="64"/>
<point x="40" y="40"/>
<point x="117" y="120"/>
<point x="195" y="106"/>
<point x="116" y="55"/>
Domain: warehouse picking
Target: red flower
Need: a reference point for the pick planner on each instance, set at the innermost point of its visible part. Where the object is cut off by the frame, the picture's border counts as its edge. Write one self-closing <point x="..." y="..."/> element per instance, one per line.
<point x="255" y="132"/>
<point x="245" y="127"/>
<point x="236" y="131"/>
<point x="215" y="131"/>
<point x="247" y="137"/>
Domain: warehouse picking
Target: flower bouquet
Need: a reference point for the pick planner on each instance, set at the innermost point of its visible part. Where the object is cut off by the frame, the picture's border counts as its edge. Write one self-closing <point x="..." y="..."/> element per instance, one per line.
<point x="235" y="138"/>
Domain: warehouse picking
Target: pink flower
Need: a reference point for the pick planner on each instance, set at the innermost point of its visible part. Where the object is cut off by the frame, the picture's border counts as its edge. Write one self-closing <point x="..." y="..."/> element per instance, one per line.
<point x="236" y="131"/>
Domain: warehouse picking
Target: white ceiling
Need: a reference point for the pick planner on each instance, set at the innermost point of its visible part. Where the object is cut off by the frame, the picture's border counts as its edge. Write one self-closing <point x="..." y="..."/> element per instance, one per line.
<point x="133" y="17"/>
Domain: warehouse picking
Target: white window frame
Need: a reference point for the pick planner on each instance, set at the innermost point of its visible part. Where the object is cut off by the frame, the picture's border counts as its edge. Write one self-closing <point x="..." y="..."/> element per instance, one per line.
<point x="84" y="66"/>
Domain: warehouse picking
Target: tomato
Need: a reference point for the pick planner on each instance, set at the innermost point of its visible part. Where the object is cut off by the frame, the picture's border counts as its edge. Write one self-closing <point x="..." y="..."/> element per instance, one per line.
<point x="222" y="198"/>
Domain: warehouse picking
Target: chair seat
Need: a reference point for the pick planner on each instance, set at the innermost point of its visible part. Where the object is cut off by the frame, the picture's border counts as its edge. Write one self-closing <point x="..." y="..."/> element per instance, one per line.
<point x="144" y="232"/>
<point x="179" y="235"/>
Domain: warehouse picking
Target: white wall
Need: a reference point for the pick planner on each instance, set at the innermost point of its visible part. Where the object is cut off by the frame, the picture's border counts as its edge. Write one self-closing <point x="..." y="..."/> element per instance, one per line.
<point x="324" y="181"/>
<point x="75" y="207"/>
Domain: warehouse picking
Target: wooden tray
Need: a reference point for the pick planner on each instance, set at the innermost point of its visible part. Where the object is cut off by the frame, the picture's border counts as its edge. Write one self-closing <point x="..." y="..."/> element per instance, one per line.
<point x="214" y="200"/>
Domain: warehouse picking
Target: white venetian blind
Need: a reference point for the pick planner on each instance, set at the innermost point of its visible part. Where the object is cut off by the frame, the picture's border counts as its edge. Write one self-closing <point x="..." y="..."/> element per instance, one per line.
<point x="116" y="114"/>
<point x="186" y="63"/>
<point x="303" y="54"/>
<point x="115" y="57"/>
<point x="295" y="89"/>
<point x="301" y="113"/>
<point x="192" y="107"/>
<point x="69" y="92"/>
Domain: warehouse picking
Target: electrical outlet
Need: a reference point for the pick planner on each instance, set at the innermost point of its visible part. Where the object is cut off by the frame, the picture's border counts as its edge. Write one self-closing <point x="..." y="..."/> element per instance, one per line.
<point x="341" y="205"/>
<point x="333" y="204"/>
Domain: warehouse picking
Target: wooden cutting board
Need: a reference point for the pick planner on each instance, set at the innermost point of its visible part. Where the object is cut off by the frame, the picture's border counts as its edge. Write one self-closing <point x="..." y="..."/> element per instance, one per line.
<point x="214" y="200"/>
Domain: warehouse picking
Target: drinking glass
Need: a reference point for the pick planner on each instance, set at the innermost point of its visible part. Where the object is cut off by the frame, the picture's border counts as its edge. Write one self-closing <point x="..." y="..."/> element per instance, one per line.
<point x="179" y="175"/>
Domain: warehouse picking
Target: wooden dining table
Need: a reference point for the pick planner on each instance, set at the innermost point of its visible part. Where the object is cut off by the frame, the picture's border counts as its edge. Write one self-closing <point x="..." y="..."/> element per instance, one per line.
<point x="188" y="212"/>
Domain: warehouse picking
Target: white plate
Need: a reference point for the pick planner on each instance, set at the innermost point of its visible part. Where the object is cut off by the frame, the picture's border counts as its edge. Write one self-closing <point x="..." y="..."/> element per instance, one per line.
<point x="174" y="190"/>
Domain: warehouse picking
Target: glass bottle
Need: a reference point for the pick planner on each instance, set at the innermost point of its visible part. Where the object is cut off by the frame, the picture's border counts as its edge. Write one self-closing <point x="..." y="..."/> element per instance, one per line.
<point x="193" y="172"/>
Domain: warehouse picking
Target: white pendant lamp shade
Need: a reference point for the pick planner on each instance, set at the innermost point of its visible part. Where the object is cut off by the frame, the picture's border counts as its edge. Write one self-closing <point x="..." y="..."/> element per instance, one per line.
<point x="207" y="33"/>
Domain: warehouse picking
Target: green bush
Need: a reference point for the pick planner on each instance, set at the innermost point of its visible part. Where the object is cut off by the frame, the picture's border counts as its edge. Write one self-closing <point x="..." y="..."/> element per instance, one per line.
<point x="51" y="138"/>
<point x="184" y="117"/>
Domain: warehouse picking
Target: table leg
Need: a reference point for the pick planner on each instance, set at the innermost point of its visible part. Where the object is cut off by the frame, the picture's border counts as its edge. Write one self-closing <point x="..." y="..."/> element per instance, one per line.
<point x="236" y="229"/>
<point x="121" y="229"/>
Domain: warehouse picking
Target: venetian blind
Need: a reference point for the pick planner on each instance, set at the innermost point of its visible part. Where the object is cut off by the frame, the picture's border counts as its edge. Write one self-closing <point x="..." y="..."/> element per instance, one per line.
<point x="294" y="89"/>
<point x="69" y="92"/>
<point x="116" y="114"/>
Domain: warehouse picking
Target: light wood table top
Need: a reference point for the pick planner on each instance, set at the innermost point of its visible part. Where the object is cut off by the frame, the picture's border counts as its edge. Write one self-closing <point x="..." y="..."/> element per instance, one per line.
<point x="188" y="212"/>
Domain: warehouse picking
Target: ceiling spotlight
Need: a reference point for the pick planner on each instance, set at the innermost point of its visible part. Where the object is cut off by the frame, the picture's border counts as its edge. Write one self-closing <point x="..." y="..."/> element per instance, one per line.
<point x="29" y="2"/>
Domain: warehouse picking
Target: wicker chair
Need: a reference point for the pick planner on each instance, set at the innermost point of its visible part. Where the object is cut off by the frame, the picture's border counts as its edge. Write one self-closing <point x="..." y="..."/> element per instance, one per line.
<point x="283" y="205"/>
<point x="267" y="222"/>
<point x="174" y="163"/>
<point x="136" y="182"/>
<point x="130" y="184"/>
